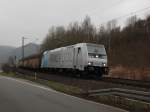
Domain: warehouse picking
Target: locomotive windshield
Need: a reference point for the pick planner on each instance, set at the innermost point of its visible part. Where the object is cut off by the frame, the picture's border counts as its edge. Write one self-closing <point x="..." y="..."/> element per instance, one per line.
<point x="96" y="51"/>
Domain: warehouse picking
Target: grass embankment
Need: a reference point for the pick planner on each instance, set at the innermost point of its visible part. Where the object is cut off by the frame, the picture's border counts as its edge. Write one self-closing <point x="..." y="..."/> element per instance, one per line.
<point x="124" y="103"/>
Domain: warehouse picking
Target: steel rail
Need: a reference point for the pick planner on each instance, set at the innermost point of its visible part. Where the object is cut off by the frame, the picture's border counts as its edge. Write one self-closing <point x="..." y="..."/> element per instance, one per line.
<point x="137" y="83"/>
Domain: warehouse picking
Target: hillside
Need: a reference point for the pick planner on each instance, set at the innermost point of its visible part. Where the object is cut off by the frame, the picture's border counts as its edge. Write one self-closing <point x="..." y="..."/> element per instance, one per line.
<point x="29" y="49"/>
<point x="8" y="51"/>
<point x="5" y="52"/>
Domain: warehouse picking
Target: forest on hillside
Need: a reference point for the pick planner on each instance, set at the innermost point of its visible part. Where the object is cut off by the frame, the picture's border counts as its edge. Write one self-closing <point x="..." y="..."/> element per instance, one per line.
<point x="127" y="46"/>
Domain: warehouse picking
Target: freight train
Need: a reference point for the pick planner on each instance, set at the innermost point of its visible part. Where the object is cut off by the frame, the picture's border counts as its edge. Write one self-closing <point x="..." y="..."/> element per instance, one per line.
<point x="86" y="58"/>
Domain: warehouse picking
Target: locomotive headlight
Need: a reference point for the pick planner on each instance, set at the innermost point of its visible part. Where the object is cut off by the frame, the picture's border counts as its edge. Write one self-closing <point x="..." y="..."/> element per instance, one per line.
<point x="89" y="63"/>
<point x="104" y="64"/>
<point x="97" y="56"/>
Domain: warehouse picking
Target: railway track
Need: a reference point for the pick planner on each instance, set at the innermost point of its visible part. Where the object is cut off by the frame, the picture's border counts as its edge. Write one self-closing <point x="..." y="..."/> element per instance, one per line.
<point x="136" y="83"/>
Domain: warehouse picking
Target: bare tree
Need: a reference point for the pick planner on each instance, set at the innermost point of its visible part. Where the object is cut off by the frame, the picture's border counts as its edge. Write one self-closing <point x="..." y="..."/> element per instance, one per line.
<point x="131" y="20"/>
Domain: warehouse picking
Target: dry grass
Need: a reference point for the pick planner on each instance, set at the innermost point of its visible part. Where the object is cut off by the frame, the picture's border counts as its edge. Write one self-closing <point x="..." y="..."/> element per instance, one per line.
<point x="130" y="73"/>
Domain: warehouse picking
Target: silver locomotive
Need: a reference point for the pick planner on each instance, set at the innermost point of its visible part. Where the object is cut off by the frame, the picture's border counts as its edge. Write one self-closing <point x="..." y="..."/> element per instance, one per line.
<point x="82" y="57"/>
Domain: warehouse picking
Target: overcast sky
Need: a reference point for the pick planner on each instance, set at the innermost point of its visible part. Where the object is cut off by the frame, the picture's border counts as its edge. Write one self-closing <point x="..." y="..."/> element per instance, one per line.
<point x="33" y="18"/>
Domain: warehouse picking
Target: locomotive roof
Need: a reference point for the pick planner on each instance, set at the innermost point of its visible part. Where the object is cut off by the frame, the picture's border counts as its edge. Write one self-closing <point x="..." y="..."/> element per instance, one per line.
<point x="92" y="44"/>
<point x="70" y="46"/>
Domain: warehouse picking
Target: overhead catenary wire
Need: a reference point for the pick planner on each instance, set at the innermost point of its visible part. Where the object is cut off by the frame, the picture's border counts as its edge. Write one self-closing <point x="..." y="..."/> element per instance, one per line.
<point x="123" y="16"/>
<point x="126" y="15"/>
<point x="109" y="6"/>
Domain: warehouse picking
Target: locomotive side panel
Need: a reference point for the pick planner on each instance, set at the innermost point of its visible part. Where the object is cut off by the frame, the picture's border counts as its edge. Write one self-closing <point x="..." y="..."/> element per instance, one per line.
<point x="61" y="58"/>
<point x="45" y="60"/>
<point x="67" y="57"/>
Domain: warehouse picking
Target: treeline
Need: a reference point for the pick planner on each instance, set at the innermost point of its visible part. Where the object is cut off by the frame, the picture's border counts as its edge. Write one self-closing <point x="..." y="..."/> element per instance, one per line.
<point x="127" y="46"/>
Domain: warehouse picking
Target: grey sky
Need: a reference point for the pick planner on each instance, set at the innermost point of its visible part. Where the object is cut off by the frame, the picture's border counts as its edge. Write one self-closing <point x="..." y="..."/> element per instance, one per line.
<point x="33" y="18"/>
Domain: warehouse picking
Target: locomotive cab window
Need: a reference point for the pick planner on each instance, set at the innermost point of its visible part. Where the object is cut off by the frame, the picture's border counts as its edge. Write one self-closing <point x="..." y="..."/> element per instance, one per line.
<point x="96" y="51"/>
<point x="79" y="49"/>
